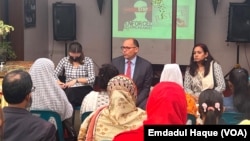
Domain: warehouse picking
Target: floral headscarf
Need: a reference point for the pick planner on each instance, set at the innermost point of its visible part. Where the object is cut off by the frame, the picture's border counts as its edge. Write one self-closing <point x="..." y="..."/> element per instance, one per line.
<point x="120" y="115"/>
<point x="122" y="82"/>
<point x="166" y="105"/>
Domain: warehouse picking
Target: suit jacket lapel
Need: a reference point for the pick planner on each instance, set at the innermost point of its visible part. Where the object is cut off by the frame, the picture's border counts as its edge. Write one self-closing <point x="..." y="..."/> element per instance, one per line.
<point x="122" y="66"/>
<point x="137" y="68"/>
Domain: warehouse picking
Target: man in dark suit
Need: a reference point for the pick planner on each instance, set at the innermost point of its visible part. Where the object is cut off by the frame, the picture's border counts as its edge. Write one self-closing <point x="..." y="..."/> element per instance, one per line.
<point x="141" y="69"/>
<point x="19" y="123"/>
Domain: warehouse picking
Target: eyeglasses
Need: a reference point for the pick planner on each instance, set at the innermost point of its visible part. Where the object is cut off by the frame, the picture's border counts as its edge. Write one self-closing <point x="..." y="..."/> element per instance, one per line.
<point x="127" y="48"/>
<point x="33" y="89"/>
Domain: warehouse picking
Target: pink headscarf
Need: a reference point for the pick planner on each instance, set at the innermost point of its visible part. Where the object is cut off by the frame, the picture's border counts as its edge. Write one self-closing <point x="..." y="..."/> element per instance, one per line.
<point x="167" y="104"/>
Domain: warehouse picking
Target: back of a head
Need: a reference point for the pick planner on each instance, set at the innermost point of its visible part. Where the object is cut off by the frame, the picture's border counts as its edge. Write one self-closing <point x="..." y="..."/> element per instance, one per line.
<point x="172" y="73"/>
<point x="16" y="86"/>
<point x="122" y="83"/>
<point x="211" y="106"/>
<point x="106" y="72"/>
<point x="42" y="74"/>
<point x="42" y="65"/>
<point x="241" y="96"/>
<point x="166" y="104"/>
<point x="122" y="96"/>
<point x="239" y="77"/>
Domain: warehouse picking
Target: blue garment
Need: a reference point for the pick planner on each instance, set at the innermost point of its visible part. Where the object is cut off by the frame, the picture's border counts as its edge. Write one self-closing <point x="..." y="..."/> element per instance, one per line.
<point x="228" y="104"/>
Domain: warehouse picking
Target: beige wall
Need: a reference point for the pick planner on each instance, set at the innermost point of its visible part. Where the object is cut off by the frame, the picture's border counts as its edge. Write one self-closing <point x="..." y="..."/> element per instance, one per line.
<point x="94" y="32"/>
<point x="36" y="38"/>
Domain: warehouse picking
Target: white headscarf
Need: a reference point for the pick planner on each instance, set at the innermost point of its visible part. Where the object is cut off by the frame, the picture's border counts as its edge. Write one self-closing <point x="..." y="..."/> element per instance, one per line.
<point x="48" y="94"/>
<point x="172" y="73"/>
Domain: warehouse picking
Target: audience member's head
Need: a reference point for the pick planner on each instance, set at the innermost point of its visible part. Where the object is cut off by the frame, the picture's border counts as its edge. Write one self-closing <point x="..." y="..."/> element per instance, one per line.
<point x="238" y="83"/>
<point x="166" y="104"/>
<point x="210" y="106"/>
<point x="120" y="115"/>
<point x="172" y="73"/>
<point x="17" y="88"/>
<point x="122" y="92"/>
<point x="48" y="95"/>
<point x="106" y="72"/>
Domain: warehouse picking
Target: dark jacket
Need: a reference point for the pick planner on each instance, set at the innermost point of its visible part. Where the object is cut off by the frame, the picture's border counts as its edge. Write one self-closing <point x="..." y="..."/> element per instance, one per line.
<point x="21" y="125"/>
<point x="143" y="75"/>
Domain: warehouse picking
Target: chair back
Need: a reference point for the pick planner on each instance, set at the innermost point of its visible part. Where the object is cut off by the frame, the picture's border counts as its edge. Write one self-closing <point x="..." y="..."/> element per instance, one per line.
<point x="74" y="113"/>
<point x="85" y="114"/>
<point x="232" y="118"/>
<point x="191" y="119"/>
<point x="52" y="117"/>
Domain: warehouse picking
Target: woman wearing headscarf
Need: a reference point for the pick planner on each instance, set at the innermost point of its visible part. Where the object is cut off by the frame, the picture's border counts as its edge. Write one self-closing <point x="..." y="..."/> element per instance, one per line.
<point x="166" y="105"/>
<point x="96" y="99"/>
<point x="120" y="115"/>
<point x="172" y="73"/>
<point x="48" y="94"/>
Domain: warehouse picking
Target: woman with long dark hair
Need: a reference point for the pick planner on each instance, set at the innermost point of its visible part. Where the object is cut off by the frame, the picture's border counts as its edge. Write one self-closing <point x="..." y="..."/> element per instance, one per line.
<point x="203" y="72"/>
<point x="79" y="72"/>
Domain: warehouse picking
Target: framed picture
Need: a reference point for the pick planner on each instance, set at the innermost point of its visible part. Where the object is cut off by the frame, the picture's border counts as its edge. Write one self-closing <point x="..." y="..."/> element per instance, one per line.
<point x="30" y="13"/>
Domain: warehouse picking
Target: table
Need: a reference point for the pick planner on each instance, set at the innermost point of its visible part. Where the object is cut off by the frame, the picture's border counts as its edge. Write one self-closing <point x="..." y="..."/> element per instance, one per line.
<point x="9" y="66"/>
<point x="13" y="65"/>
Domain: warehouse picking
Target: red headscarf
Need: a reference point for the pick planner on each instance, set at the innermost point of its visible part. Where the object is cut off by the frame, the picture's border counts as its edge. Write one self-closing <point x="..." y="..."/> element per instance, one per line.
<point x="166" y="105"/>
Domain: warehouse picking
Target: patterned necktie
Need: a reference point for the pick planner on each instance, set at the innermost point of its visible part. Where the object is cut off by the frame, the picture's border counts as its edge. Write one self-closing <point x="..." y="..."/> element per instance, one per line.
<point x="128" y="72"/>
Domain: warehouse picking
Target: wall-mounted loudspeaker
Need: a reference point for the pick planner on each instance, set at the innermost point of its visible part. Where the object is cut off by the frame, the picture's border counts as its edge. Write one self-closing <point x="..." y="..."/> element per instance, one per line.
<point x="239" y="23"/>
<point x="64" y="21"/>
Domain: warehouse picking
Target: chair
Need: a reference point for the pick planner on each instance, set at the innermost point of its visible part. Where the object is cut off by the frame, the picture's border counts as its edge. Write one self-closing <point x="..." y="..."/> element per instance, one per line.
<point x="232" y="118"/>
<point x="191" y="118"/>
<point x="74" y="112"/>
<point x="52" y="117"/>
<point x="85" y="114"/>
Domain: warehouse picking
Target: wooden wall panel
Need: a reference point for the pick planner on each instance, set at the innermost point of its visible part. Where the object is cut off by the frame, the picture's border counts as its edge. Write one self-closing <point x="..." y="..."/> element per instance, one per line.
<point x="16" y="16"/>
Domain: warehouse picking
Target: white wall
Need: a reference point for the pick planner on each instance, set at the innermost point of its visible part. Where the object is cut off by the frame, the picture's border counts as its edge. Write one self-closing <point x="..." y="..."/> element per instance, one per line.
<point x="94" y="32"/>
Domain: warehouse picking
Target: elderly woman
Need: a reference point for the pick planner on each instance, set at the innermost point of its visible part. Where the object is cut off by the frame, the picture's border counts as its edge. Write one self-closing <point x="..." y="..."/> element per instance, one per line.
<point x="120" y="115"/>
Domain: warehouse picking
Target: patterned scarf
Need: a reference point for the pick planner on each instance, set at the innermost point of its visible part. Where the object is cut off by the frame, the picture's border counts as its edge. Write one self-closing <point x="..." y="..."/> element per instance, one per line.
<point x="48" y="94"/>
<point x="120" y="115"/>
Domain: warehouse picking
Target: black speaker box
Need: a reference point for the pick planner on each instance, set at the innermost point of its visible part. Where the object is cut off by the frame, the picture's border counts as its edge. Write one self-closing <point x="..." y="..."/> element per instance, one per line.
<point x="239" y="23"/>
<point x="64" y="21"/>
